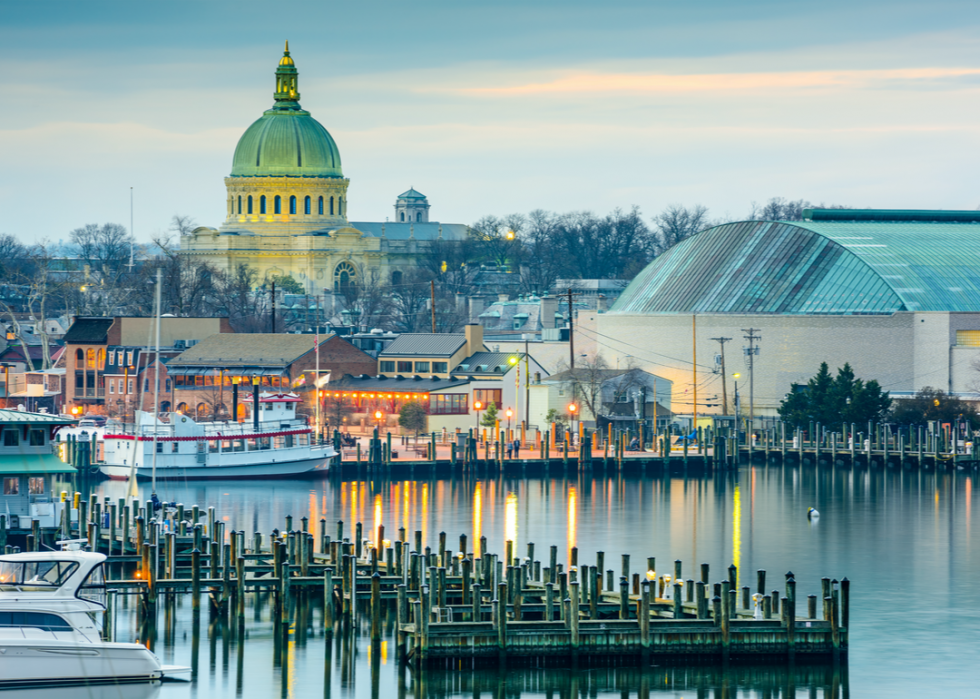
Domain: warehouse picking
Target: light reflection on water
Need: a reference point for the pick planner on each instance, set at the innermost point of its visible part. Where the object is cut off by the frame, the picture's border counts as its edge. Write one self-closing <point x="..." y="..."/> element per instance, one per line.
<point x="897" y="536"/>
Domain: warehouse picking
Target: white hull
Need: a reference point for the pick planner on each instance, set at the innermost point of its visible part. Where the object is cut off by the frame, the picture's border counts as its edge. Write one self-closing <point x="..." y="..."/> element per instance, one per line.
<point x="279" y="469"/>
<point x="46" y="661"/>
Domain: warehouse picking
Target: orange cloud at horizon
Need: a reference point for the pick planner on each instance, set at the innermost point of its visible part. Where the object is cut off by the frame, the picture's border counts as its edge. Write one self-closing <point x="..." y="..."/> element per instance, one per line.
<point x="655" y="82"/>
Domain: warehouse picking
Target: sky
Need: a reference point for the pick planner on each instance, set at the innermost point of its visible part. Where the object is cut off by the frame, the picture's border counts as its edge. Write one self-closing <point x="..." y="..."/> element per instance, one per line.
<point x="491" y="107"/>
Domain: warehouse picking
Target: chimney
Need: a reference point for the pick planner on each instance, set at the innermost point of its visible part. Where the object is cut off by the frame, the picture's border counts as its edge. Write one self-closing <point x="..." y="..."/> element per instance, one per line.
<point x="474" y="339"/>
<point x="503" y="298"/>
<point x="549" y="306"/>
<point x="600" y="303"/>
<point x="476" y="307"/>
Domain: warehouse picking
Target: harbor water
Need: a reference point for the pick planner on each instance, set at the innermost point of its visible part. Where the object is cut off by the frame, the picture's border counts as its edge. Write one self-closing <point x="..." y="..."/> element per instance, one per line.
<point x="905" y="539"/>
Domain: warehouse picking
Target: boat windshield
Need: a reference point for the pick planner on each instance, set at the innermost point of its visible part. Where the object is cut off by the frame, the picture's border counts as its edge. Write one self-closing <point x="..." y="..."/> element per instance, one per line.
<point x="93" y="589"/>
<point x="35" y="575"/>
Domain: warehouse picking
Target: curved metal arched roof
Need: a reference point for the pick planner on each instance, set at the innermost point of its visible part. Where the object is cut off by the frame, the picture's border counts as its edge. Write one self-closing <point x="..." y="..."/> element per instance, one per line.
<point x="814" y="267"/>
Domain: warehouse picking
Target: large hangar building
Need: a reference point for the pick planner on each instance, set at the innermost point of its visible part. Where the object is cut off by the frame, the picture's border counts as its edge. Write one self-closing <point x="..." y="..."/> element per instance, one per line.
<point x="894" y="293"/>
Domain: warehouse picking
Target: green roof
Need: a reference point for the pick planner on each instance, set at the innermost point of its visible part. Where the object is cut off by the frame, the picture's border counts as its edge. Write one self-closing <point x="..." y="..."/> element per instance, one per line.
<point x="851" y="267"/>
<point x="411" y="194"/>
<point x="33" y="464"/>
<point x="21" y="417"/>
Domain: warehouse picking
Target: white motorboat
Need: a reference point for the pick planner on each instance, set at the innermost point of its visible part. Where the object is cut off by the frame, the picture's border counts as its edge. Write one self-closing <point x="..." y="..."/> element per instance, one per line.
<point x="52" y="606"/>
<point x="276" y="445"/>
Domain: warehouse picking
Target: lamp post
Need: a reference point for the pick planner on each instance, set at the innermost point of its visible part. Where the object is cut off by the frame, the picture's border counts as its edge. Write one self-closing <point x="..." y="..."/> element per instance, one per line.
<point x="738" y="406"/>
<point x="378" y="416"/>
<point x="573" y="411"/>
<point x="510" y="414"/>
<point x="477" y="406"/>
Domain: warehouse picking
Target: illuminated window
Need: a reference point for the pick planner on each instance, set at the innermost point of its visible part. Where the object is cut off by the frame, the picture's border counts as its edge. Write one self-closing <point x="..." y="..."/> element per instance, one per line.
<point x="11" y="486"/>
<point x="112" y="357"/>
<point x="306" y="206"/>
<point x="321" y="206"/>
<point x="262" y="204"/>
<point x="292" y="204"/>
<point x="90" y="359"/>
<point x="448" y="404"/>
<point x="102" y="358"/>
<point x="35" y="485"/>
<point x="249" y="203"/>
<point x="278" y="205"/>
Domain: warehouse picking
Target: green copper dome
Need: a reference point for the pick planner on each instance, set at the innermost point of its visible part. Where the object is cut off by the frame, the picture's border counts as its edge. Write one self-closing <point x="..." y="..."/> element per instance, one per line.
<point x="286" y="140"/>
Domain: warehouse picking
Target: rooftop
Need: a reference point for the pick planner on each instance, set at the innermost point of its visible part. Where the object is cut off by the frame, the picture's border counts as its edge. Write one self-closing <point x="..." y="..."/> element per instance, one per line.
<point x="422" y="230"/>
<point x="844" y="262"/>
<point x="21" y="417"/>
<point x="88" y="331"/>
<point x="484" y="363"/>
<point x="425" y="345"/>
<point x="247" y="349"/>
<point x="396" y="384"/>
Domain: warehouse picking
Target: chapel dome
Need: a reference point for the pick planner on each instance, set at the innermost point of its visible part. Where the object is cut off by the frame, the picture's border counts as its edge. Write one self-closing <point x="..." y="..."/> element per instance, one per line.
<point x="286" y="140"/>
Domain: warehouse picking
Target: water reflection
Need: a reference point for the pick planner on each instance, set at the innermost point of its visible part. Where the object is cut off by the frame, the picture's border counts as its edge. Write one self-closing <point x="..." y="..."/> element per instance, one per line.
<point x="895" y="534"/>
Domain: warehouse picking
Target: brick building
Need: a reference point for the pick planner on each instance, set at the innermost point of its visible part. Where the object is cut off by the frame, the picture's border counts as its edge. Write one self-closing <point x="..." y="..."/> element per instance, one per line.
<point x="204" y="377"/>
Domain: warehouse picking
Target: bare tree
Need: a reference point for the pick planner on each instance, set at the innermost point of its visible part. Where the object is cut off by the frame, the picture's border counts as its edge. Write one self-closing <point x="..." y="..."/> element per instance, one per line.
<point x="496" y="238"/>
<point x="182" y="224"/>
<point x="36" y="291"/>
<point x="410" y="302"/>
<point x="677" y="223"/>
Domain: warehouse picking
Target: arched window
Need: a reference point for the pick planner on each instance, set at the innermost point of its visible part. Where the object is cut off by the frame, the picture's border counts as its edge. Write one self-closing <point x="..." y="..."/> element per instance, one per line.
<point x="292" y="204"/>
<point x="321" y="206"/>
<point x="90" y="359"/>
<point x="79" y="357"/>
<point x="249" y="203"/>
<point x="340" y="206"/>
<point x="278" y="205"/>
<point x="418" y="216"/>
<point x="306" y="206"/>
<point x="344" y="276"/>
<point x="182" y="407"/>
<point x="165" y="406"/>
<point x="101" y="359"/>
<point x="262" y="204"/>
<point x="403" y="215"/>
<point x="331" y="206"/>
<point x="239" y="204"/>
<point x="202" y="411"/>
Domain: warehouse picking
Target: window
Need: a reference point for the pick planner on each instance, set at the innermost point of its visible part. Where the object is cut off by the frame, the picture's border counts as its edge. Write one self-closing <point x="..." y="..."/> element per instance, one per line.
<point x="387" y="366"/>
<point x="34" y="620"/>
<point x="320" y="206"/>
<point x="448" y="404"/>
<point x="262" y="204"/>
<point x="79" y="357"/>
<point x="90" y="359"/>
<point x="93" y="589"/>
<point x="488" y="396"/>
<point x="11" y="486"/>
<point x="440" y="367"/>
<point x="405" y="366"/>
<point x="112" y="386"/>
<point x="418" y="216"/>
<point x="277" y="205"/>
<point x="421" y="367"/>
<point x="306" y="206"/>
<point x="129" y="358"/>
<point x="292" y="204"/>
<point x="130" y="387"/>
<point x="331" y="206"/>
<point x="239" y="204"/>
<point x="340" y="206"/>
<point x="11" y="438"/>
<point x="344" y="276"/>
<point x="396" y="278"/>
<point x="102" y="358"/>
<point x="249" y="203"/>
<point x="37" y="438"/>
<point x="403" y="216"/>
<point x="112" y="358"/>
<point x="146" y="384"/>
<point x="167" y="387"/>
<point x="35" y="485"/>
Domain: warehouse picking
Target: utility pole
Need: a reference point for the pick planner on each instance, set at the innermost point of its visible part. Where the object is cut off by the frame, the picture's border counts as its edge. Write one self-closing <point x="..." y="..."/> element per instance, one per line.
<point x="751" y="352"/>
<point x="571" y="338"/>
<point x="273" y="311"/>
<point x="694" y="371"/>
<point x="724" y="386"/>
<point x="432" y="302"/>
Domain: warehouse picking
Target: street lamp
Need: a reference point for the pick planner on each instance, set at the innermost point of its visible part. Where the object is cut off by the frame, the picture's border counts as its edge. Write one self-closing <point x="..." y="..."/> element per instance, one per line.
<point x="572" y="411"/>
<point x="477" y="406"/>
<point x="510" y="414"/>
<point x="378" y="415"/>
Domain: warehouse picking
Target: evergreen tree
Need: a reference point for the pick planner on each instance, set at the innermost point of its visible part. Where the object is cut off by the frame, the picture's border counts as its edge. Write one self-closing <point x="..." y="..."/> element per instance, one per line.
<point x="412" y="417"/>
<point x="833" y="400"/>
<point x="489" y="418"/>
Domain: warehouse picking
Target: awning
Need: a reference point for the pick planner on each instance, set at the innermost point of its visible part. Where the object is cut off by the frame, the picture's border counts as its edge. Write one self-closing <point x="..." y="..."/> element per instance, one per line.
<point x="33" y="464"/>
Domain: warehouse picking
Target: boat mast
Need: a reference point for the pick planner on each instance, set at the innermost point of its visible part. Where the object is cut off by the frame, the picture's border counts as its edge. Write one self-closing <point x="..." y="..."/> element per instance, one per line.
<point x="156" y="380"/>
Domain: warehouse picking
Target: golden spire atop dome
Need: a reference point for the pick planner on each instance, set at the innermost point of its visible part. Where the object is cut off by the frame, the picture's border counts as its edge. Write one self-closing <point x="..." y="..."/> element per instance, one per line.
<point x="286" y="60"/>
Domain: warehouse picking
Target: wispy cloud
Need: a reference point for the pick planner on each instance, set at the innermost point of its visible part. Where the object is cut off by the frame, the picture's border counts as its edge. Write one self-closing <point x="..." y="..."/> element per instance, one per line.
<point x="592" y="82"/>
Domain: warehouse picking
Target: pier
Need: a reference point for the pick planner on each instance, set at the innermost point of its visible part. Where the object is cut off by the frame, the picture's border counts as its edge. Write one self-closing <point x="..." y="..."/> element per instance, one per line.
<point x="464" y="605"/>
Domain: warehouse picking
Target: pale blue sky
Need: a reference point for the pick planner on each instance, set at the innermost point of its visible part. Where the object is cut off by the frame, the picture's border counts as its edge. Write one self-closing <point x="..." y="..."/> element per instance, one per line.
<point x="492" y="107"/>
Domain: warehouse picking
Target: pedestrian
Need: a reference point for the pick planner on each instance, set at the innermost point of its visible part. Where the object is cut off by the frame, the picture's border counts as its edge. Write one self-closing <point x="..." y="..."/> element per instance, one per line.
<point x="510" y="450"/>
<point x="517" y="448"/>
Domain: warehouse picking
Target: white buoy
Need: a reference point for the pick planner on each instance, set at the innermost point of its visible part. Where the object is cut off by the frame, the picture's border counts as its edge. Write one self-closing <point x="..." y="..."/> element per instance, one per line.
<point x="812" y="514"/>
